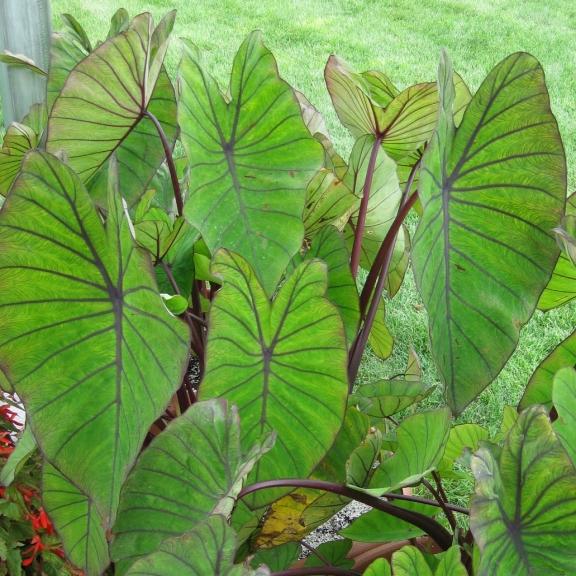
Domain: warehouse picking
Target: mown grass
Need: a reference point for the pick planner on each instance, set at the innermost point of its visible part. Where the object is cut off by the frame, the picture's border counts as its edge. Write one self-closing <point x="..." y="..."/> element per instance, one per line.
<point x="402" y="38"/>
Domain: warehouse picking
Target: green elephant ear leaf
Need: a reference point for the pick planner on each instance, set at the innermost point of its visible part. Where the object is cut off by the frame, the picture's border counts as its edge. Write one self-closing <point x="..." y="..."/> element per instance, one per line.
<point x="540" y="386"/>
<point x="86" y="328"/>
<point x="169" y="488"/>
<point x="380" y="339"/>
<point x="282" y="363"/>
<point x="461" y="438"/>
<point x="119" y="22"/>
<point x="209" y="548"/>
<point x="565" y="403"/>
<point x="79" y="521"/>
<point x="19" y="140"/>
<point x="421" y="440"/>
<point x="329" y="246"/>
<point x="277" y="558"/>
<point x="491" y="192"/>
<point x="562" y="286"/>
<point x="252" y="156"/>
<point x="76" y="31"/>
<point x="524" y="509"/>
<point x="91" y="120"/>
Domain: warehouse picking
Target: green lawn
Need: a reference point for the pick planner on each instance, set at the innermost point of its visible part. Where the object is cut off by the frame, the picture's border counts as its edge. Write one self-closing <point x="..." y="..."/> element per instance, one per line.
<point x="403" y="39"/>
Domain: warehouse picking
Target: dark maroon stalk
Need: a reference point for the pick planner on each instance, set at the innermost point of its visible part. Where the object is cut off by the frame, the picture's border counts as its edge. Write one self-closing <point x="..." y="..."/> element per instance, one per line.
<point x="360" y="224"/>
<point x="386" y="250"/>
<point x="447" y="512"/>
<point x="435" y="530"/>
<point x="317" y="571"/>
<point x="170" y="162"/>
<point x="380" y="257"/>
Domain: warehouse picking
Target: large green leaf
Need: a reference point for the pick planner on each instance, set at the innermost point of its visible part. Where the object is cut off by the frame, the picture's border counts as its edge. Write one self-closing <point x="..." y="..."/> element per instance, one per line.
<point x="523" y="515"/>
<point x="539" y="389"/>
<point x="562" y="286"/>
<point x="282" y="363"/>
<point x="492" y="191"/>
<point x="208" y="549"/>
<point x="421" y="440"/>
<point x="385" y="196"/>
<point x="83" y="326"/>
<point x="330" y="247"/>
<point x="78" y="519"/>
<point x="251" y="160"/>
<point x="564" y="396"/>
<point x="171" y="488"/>
<point x="102" y="108"/>
<point x="410" y="561"/>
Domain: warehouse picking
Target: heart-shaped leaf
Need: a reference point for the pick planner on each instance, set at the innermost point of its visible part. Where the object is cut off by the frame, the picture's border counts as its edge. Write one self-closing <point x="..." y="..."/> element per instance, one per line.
<point x="524" y="510"/>
<point x="209" y="548"/>
<point x="539" y="389"/>
<point x="282" y="363"/>
<point x="170" y="490"/>
<point x="421" y="440"/>
<point x="564" y="396"/>
<point x="491" y="192"/>
<point x="251" y="156"/>
<point x="92" y="325"/>
<point x="91" y="119"/>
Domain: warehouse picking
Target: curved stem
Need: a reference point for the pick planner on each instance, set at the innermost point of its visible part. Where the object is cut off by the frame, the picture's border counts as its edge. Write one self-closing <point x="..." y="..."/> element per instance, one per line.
<point x="170" y="162"/>
<point x="447" y="512"/>
<point x="435" y="530"/>
<point x="419" y="500"/>
<point x="315" y="552"/>
<point x="361" y="222"/>
<point x="380" y="257"/>
<point x="386" y="250"/>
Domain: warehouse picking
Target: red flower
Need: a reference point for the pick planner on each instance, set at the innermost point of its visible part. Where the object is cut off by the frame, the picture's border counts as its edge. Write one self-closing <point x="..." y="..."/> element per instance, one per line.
<point x="40" y="521"/>
<point x="8" y="414"/>
<point x="29" y="555"/>
<point x="27" y="493"/>
<point x="6" y="444"/>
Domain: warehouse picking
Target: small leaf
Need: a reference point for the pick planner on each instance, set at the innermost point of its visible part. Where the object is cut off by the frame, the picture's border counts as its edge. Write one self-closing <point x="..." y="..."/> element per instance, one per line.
<point x="539" y="389"/>
<point x="380" y="339"/>
<point x="387" y="397"/>
<point x="176" y="304"/>
<point x="119" y="22"/>
<point x="18" y="141"/>
<point x="379" y="567"/>
<point x="277" y="558"/>
<point x="25" y="447"/>
<point x="524" y="509"/>
<point x="376" y="526"/>
<point x="361" y="463"/>
<point x="462" y="437"/>
<point x="21" y="61"/>
<point x="334" y="552"/>
<point x="76" y="31"/>
<point x="181" y="555"/>
<point x="564" y="396"/>
<point x="421" y="440"/>
<point x="410" y="561"/>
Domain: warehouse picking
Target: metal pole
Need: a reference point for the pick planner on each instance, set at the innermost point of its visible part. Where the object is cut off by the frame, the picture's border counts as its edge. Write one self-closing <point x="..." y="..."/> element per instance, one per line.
<point x="24" y="29"/>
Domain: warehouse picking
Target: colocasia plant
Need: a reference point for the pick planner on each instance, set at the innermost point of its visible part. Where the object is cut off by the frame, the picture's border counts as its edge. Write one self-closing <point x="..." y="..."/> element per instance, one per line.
<point x="151" y="227"/>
